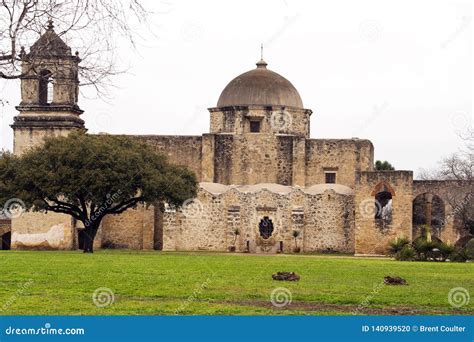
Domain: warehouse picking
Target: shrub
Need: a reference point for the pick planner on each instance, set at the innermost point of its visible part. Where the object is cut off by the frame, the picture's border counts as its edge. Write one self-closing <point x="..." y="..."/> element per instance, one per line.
<point x="470" y="248"/>
<point x="445" y="250"/>
<point x="396" y="245"/>
<point x="424" y="249"/>
<point x="407" y="253"/>
<point x="460" y="255"/>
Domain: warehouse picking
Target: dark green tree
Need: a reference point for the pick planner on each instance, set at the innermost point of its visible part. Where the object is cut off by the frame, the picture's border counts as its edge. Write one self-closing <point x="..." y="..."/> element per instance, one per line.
<point x="91" y="176"/>
<point x="383" y="166"/>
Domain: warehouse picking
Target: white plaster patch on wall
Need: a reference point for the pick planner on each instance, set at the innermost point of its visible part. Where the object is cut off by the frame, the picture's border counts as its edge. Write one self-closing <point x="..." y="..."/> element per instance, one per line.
<point x="53" y="238"/>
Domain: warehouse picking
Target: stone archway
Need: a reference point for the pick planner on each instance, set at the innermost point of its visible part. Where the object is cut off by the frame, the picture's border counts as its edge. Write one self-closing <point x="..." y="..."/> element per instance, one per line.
<point x="5" y="233"/>
<point x="5" y="241"/>
<point x="429" y="209"/>
<point x="383" y="194"/>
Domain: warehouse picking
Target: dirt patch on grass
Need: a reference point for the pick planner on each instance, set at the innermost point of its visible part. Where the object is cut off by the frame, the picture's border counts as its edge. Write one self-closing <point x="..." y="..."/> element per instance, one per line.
<point x="351" y="309"/>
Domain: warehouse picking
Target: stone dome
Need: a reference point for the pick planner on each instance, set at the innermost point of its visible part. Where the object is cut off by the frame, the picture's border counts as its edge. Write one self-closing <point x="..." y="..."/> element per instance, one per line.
<point x="260" y="86"/>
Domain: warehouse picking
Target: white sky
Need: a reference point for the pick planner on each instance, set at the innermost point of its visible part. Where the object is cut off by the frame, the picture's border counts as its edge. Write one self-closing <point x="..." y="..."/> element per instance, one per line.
<point x="396" y="72"/>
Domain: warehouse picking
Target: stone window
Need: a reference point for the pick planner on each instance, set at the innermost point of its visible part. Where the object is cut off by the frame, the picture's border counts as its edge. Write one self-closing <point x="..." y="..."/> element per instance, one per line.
<point x="49" y="98"/>
<point x="233" y="215"/>
<point x="297" y="215"/>
<point x="383" y="206"/>
<point x="254" y="126"/>
<point x="383" y="194"/>
<point x="45" y="91"/>
<point x="265" y="227"/>
<point x="330" y="177"/>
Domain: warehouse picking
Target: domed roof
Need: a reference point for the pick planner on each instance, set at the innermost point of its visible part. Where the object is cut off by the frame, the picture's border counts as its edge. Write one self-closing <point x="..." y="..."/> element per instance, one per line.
<point x="260" y="87"/>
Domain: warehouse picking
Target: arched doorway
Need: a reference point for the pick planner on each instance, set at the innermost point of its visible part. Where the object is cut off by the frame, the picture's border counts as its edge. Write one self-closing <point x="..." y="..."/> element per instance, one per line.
<point x="428" y="209"/>
<point x="5" y="241"/>
<point x="383" y="204"/>
<point x="383" y="194"/>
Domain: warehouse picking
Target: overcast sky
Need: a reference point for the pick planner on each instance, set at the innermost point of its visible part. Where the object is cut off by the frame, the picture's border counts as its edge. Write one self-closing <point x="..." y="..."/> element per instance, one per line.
<point x="396" y="72"/>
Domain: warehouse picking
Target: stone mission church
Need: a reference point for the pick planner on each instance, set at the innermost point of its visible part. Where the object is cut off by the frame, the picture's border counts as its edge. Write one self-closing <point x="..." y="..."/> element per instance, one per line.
<point x="258" y="168"/>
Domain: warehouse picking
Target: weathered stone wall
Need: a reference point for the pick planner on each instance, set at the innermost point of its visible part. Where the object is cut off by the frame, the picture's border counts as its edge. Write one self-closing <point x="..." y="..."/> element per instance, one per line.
<point x="200" y="226"/>
<point x="26" y="138"/>
<point x="64" y="73"/>
<point x="5" y="226"/>
<point x="253" y="158"/>
<point x="345" y="156"/>
<point x="273" y="120"/>
<point x="34" y="230"/>
<point x="323" y="219"/>
<point x="373" y="235"/>
<point x="180" y="150"/>
<point x="133" y="229"/>
<point x="329" y="223"/>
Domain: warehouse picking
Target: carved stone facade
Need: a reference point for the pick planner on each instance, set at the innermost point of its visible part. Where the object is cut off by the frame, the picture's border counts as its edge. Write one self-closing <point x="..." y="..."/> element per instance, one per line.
<point x="322" y="214"/>
<point x="260" y="174"/>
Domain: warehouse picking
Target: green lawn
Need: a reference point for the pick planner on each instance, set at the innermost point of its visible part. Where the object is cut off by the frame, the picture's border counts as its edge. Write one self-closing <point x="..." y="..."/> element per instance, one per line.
<point x="40" y="283"/>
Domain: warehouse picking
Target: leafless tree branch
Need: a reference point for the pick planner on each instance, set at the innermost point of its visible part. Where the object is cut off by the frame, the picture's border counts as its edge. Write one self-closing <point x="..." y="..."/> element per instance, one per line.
<point x="92" y="27"/>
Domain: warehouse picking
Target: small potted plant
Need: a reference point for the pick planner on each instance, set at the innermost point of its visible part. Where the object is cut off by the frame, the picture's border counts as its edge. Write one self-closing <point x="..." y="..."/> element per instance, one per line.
<point x="295" y="234"/>
<point x="236" y="233"/>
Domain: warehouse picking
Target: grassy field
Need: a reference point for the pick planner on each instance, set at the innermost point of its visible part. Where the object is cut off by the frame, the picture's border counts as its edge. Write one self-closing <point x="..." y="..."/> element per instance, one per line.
<point x="156" y="283"/>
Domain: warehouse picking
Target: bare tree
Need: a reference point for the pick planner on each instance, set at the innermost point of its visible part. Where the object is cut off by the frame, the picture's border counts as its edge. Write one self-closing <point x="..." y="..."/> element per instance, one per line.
<point x="92" y="27"/>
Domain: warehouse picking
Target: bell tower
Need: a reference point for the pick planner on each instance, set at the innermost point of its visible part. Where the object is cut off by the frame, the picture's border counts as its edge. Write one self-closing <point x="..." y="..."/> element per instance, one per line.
<point x="49" y="92"/>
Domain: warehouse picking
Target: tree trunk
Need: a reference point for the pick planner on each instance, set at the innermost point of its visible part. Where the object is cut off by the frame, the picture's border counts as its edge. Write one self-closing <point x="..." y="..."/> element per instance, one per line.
<point x="89" y="235"/>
